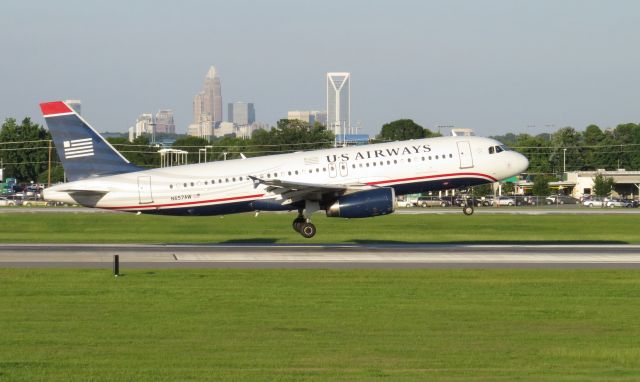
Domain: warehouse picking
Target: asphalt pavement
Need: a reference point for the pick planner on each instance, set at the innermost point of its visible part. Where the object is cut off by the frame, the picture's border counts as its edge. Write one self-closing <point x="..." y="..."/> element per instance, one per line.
<point x="321" y="256"/>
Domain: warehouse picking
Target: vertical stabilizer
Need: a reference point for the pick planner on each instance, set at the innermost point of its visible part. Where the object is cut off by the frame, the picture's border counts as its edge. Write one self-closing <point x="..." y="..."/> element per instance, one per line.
<point x="84" y="153"/>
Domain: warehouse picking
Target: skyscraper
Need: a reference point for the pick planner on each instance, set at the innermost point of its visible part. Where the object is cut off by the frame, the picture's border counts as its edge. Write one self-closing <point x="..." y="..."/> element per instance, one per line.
<point x="209" y="100"/>
<point x="339" y="102"/>
<point x="241" y="113"/>
<point x="212" y="97"/>
<point x="164" y="122"/>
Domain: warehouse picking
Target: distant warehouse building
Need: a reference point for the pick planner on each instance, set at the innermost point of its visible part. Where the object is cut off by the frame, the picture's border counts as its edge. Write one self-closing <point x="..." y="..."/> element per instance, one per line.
<point x="579" y="183"/>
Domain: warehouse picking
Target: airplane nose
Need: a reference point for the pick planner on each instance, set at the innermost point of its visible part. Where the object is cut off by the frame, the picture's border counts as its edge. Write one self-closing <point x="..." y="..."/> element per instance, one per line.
<point x="520" y="163"/>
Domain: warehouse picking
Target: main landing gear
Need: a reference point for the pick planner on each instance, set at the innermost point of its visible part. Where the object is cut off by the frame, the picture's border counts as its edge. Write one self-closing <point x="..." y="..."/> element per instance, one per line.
<point x="302" y="224"/>
<point x="304" y="227"/>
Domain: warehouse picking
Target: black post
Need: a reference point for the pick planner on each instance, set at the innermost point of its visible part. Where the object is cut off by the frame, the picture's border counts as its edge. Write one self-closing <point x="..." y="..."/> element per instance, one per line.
<point x="116" y="265"/>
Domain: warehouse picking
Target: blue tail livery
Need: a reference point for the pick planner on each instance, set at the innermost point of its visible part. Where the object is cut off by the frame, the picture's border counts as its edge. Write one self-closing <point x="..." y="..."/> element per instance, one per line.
<point x="83" y="152"/>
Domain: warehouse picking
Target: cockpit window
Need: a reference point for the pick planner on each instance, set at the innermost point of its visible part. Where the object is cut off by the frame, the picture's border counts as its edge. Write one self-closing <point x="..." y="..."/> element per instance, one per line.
<point x="491" y="150"/>
<point x="499" y="149"/>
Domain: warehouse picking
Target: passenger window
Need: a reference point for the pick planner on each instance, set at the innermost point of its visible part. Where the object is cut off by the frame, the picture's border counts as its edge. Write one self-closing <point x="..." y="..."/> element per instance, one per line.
<point x="240" y="179"/>
<point x="367" y="164"/>
<point x="171" y="186"/>
<point x="289" y="172"/>
<point x="192" y="184"/>
<point x="450" y="155"/>
<point x="436" y="157"/>
<point x="296" y="172"/>
<point x="227" y="180"/>
<point x="409" y="160"/>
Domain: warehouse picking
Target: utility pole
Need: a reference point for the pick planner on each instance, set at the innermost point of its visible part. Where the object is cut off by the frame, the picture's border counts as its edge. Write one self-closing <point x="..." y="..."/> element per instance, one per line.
<point x="49" y="172"/>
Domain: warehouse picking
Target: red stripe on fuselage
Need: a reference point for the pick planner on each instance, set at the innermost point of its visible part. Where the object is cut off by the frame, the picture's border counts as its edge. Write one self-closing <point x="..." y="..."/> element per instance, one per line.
<point x="432" y="177"/>
<point x="185" y="203"/>
<point x="57" y="107"/>
<point x="261" y="195"/>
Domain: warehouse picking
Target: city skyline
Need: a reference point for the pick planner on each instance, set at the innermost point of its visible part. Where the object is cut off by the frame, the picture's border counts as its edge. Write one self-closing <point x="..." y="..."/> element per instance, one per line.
<point x="494" y="66"/>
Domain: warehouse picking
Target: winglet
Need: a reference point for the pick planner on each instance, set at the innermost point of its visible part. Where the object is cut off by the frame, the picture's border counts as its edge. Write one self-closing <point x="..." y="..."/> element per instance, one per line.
<point x="54" y="108"/>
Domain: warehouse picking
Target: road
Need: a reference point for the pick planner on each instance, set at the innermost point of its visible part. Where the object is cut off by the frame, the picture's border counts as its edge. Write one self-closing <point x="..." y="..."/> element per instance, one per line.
<point x="321" y="256"/>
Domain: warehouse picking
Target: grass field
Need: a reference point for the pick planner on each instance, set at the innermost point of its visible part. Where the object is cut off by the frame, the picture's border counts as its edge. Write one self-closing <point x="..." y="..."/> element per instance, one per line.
<point x="319" y="325"/>
<point x="276" y="228"/>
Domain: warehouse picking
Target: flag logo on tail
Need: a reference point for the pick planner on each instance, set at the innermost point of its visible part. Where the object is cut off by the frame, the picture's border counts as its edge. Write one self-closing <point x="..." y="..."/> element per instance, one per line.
<point x="78" y="148"/>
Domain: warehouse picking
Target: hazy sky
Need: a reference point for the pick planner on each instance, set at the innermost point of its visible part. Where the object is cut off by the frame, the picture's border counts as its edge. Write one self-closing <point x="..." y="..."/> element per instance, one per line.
<point x="495" y="66"/>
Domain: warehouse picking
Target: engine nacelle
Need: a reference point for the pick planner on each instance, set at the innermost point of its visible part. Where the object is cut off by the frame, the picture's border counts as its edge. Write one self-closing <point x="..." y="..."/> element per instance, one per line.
<point x="364" y="204"/>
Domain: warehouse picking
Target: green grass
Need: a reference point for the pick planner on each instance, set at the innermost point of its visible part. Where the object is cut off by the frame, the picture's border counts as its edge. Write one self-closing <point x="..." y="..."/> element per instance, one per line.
<point x="319" y="325"/>
<point x="130" y="228"/>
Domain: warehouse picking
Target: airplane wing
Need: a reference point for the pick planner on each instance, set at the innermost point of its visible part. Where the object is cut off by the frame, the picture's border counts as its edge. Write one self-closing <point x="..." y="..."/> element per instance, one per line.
<point x="291" y="192"/>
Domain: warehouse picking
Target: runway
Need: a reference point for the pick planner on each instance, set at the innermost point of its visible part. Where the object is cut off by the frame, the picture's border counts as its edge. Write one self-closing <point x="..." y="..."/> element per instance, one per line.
<point x="322" y="256"/>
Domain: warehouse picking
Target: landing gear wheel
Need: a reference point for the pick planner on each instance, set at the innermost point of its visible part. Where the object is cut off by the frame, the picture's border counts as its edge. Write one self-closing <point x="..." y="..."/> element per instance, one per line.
<point x="467" y="210"/>
<point x="307" y="230"/>
<point x="297" y="223"/>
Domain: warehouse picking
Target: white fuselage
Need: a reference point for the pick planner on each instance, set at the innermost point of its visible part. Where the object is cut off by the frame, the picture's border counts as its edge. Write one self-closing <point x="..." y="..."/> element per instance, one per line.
<point x="407" y="166"/>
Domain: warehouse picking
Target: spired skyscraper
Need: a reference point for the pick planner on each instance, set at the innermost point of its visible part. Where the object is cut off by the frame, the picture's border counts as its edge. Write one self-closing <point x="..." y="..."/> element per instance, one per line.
<point x="209" y="100"/>
<point x="339" y="102"/>
<point x="207" y="106"/>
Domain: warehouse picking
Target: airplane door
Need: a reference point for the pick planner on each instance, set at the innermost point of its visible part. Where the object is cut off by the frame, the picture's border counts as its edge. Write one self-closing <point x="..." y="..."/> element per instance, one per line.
<point x="332" y="170"/>
<point x="344" y="169"/>
<point x="144" y="189"/>
<point x="464" y="153"/>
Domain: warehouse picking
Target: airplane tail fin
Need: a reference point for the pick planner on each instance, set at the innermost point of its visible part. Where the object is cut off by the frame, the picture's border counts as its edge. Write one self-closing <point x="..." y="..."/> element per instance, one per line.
<point x="83" y="152"/>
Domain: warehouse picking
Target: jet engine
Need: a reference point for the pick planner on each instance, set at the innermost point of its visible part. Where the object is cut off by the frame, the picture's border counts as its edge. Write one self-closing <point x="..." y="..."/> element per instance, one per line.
<point x="364" y="204"/>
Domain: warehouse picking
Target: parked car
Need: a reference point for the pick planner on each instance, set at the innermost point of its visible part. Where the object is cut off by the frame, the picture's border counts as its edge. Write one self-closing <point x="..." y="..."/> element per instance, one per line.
<point x="594" y="201"/>
<point x="487" y="200"/>
<point x="504" y="201"/>
<point x="612" y="203"/>
<point x="561" y="199"/>
<point x="432" y="201"/>
<point x="7" y="202"/>
<point x="526" y="200"/>
<point x="632" y="203"/>
<point x="406" y="203"/>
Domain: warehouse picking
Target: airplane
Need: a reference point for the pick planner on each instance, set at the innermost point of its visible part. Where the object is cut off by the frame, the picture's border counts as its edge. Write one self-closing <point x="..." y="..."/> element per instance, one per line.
<point x="348" y="182"/>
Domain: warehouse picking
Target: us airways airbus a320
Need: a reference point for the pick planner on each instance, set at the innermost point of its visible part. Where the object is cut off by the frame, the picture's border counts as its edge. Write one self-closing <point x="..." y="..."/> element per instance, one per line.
<point x="349" y="182"/>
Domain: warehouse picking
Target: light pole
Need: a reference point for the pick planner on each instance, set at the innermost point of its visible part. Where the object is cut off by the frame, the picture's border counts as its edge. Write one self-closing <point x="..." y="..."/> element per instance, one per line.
<point x="205" y="152"/>
<point x="564" y="160"/>
<point x="205" y="155"/>
<point x="225" y="155"/>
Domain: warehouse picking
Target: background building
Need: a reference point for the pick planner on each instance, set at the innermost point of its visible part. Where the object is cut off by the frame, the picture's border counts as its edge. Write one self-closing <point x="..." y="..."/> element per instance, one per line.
<point x="212" y="96"/>
<point x="241" y="113"/>
<point x="309" y="116"/>
<point x="203" y="128"/>
<point x="145" y="124"/>
<point x="164" y="122"/>
<point x="338" y="102"/>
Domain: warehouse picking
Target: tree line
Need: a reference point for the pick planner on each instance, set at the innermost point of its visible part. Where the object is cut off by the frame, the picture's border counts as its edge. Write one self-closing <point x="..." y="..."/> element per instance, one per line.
<point x="24" y="146"/>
